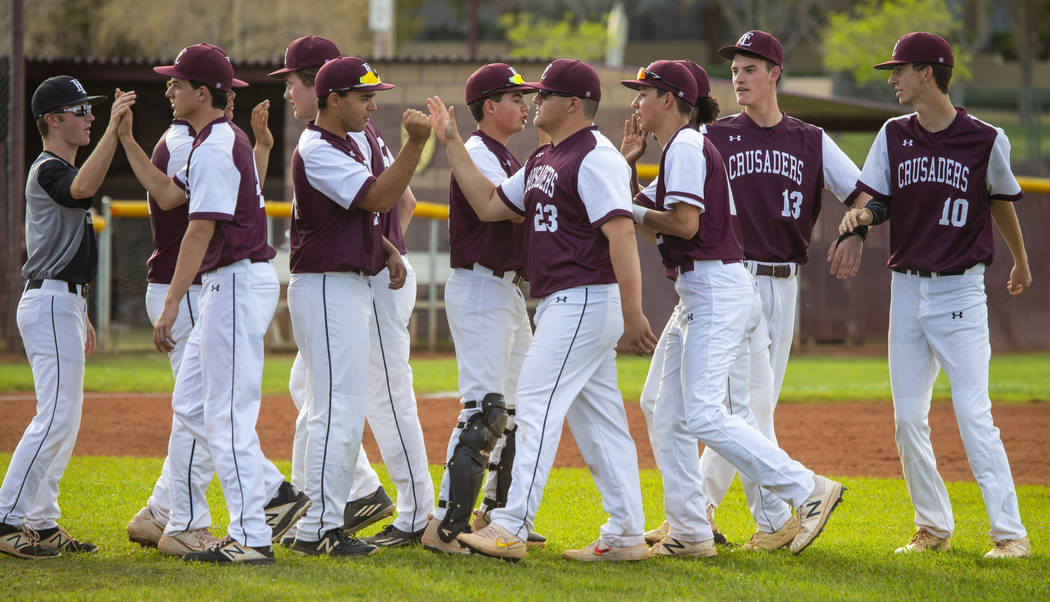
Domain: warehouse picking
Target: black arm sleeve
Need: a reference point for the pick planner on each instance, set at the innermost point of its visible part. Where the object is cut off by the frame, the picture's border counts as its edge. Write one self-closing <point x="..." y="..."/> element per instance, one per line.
<point x="56" y="177"/>
<point x="861" y="231"/>
<point x="880" y="211"/>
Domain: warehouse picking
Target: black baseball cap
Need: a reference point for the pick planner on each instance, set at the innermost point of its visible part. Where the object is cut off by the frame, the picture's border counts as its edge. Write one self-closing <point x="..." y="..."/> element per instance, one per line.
<point x="61" y="91"/>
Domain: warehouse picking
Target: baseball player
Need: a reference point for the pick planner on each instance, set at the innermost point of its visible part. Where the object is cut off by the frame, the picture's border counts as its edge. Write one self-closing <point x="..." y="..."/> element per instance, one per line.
<point x="168" y="227"/>
<point x="942" y="176"/>
<point x="337" y="246"/>
<point x="62" y="258"/>
<point x="217" y="390"/>
<point x="699" y="243"/>
<point x="779" y="202"/>
<point x="583" y="265"/>
<point x="487" y="317"/>
<point x="392" y="413"/>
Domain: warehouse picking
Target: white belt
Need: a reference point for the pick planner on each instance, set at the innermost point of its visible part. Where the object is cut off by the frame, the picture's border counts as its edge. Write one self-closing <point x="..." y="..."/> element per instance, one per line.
<point x="510" y="276"/>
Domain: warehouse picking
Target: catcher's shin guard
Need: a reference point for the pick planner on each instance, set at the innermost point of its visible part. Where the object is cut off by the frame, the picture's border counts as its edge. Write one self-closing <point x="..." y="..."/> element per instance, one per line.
<point x="503" y="466"/>
<point x="466" y="466"/>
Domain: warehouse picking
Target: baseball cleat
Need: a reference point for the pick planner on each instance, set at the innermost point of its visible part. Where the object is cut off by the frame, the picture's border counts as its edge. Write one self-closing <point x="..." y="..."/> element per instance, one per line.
<point x="775" y="540"/>
<point x="182" y="543"/>
<point x="392" y="537"/>
<point x="1011" y="548"/>
<point x="720" y="539"/>
<point x="144" y="529"/>
<point x="367" y="511"/>
<point x="23" y="542"/>
<point x="495" y="541"/>
<point x="814" y="513"/>
<point x="534" y="541"/>
<point x="670" y="547"/>
<point x="924" y="541"/>
<point x="335" y="542"/>
<point x="599" y="551"/>
<point x="58" y="539"/>
<point x="432" y="540"/>
<point x="287" y="507"/>
<point x="228" y="551"/>
<point x="654" y="536"/>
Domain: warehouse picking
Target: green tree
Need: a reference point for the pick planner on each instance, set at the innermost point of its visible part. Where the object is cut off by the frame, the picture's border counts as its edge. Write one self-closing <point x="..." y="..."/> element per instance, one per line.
<point x="864" y="36"/>
<point x="532" y="36"/>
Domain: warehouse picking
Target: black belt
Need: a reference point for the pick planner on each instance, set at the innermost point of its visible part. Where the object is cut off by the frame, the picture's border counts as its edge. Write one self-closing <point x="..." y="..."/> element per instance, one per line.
<point x="776" y="271"/>
<point x="928" y="273"/>
<point x="70" y="286"/>
<point x="518" y="276"/>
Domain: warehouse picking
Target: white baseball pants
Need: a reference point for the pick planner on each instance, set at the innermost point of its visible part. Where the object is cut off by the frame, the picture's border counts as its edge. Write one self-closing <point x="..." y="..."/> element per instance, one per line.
<point x="53" y="326"/>
<point x="716" y="302"/>
<point x="942" y="322"/>
<point x="491" y="333"/>
<point x="181" y="439"/>
<point x="217" y="396"/>
<point x="330" y="314"/>
<point x="569" y="373"/>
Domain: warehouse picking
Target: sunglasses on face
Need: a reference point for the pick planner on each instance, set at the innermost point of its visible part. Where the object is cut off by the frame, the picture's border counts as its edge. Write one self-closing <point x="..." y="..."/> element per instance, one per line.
<point x="545" y="94"/>
<point x="78" y="110"/>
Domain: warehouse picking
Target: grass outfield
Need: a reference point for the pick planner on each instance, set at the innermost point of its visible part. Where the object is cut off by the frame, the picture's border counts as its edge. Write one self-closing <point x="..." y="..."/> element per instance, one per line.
<point x="853" y="560"/>
<point x="1013" y="378"/>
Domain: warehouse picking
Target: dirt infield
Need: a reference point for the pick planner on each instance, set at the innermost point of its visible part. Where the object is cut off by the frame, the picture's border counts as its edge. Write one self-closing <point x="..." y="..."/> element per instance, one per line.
<point x="853" y="439"/>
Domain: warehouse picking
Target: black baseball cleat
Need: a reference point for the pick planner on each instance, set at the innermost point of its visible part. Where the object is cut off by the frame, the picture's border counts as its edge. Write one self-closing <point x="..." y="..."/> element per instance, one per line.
<point x="58" y="539"/>
<point x="392" y="537"/>
<point x="366" y="511"/>
<point x="23" y="542"/>
<point x="229" y="551"/>
<point x="335" y="542"/>
<point x="288" y="506"/>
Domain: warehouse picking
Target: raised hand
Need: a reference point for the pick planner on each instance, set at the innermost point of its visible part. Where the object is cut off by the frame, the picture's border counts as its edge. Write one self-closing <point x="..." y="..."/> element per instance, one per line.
<point x="261" y="125"/>
<point x="417" y="124"/>
<point x="854" y="218"/>
<point x="120" y="116"/>
<point x="443" y="119"/>
<point x="633" y="146"/>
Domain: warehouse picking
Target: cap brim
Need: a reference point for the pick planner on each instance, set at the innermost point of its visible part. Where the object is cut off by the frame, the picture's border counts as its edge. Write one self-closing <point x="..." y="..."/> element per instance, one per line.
<point x="728" y="52"/>
<point x="890" y="64"/>
<point x="95" y="100"/>
<point x="237" y="83"/>
<point x="373" y="88"/>
<point x="537" y="86"/>
<point x="280" y="72"/>
<point x="171" y="71"/>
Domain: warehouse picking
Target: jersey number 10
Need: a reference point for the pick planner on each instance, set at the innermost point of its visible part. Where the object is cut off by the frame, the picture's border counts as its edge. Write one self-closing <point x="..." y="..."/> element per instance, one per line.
<point x="954" y="212"/>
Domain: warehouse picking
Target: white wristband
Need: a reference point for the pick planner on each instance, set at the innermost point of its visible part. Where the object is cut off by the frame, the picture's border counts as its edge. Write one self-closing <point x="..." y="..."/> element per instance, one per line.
<point x="639" y="213"/>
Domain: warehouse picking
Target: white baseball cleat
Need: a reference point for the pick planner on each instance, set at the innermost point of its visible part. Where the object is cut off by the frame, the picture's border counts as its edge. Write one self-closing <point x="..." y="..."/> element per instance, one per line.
<point x="495" y="541"/>
<point x="924" y="541"/>
<point x="432" y="541"/>
<point x="1011" y="548"/>
<point x="144" y="529"/>
<point x="599" y="551"/>
<point x="775" y="540"/>
<point x="182" y="543"/>
<point x="653" y="537"/>
<point x="813" y="514"/>
<point x="670" y="547"/>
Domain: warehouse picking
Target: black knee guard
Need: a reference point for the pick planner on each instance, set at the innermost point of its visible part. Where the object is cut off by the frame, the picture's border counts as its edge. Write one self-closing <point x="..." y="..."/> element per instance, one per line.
<point x="466" y="466"/>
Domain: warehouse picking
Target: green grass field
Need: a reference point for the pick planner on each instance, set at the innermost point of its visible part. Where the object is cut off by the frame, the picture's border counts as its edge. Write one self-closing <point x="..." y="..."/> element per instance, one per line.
<point x="1014" y="378"/>
<point x="853" y="560"/>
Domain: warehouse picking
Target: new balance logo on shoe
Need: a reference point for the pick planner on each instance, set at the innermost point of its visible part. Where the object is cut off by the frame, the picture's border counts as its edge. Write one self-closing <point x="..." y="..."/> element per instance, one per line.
<point x="672" y="545"/>
<point x="812" y="508"/>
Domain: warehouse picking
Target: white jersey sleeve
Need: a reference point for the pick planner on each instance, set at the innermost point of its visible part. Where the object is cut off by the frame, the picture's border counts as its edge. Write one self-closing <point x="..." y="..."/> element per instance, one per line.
<point x="213" y="179"/>
<point x="335" y="174"/>
<point x="685" y="171"/>
<point x="647" y="196"/>
<point x="1001" y="181"/>
<point x="840" y="173"/>
<point x="512" y="191"/>
<point x="488" y="163"/>
<point x="876" y="173"/>
<point x="604" y="182"/>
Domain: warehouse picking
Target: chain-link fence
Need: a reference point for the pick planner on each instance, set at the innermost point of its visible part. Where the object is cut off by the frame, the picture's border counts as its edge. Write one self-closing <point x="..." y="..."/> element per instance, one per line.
<point x="1030" y="142"/>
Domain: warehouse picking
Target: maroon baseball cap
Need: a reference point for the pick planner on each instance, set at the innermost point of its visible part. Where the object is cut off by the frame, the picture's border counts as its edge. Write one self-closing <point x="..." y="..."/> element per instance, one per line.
<point x="666" y="75"/>
<point x="572" y="77"/>
<point x="307" y="51"/>
<point x="703" y="84"/>
<point x="494" y="78"/>
<point x="204" y="63"/>
<point x="347" y="73"/>
<point x="756" y="42"/>
<point x="920" y="47"/>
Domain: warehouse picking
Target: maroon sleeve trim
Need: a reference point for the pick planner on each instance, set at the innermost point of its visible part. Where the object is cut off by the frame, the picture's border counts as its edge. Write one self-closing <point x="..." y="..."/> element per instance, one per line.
<point x="852" y="198"/>
<point x="219" y="217"/>
<point x="361" y="193"/>
<point x="614" y="213"/>
<point x="1013" y="198"/>
<point x="687" y="195"/>
<point x="862" y="187"/>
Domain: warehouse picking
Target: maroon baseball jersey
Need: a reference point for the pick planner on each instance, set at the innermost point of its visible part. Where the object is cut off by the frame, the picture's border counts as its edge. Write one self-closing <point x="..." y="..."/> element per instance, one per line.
<point x="499" y="246"/>
<point x="377" y="157"/>
<point x="691" y="171"/>
<point x="330" y="233"/>
<point x="168" y="227"/>
<point x="777" y="175"/>
<point x="222" y="185"/>
<point x="939" y="187"/>
<point x="566" y="192"/>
